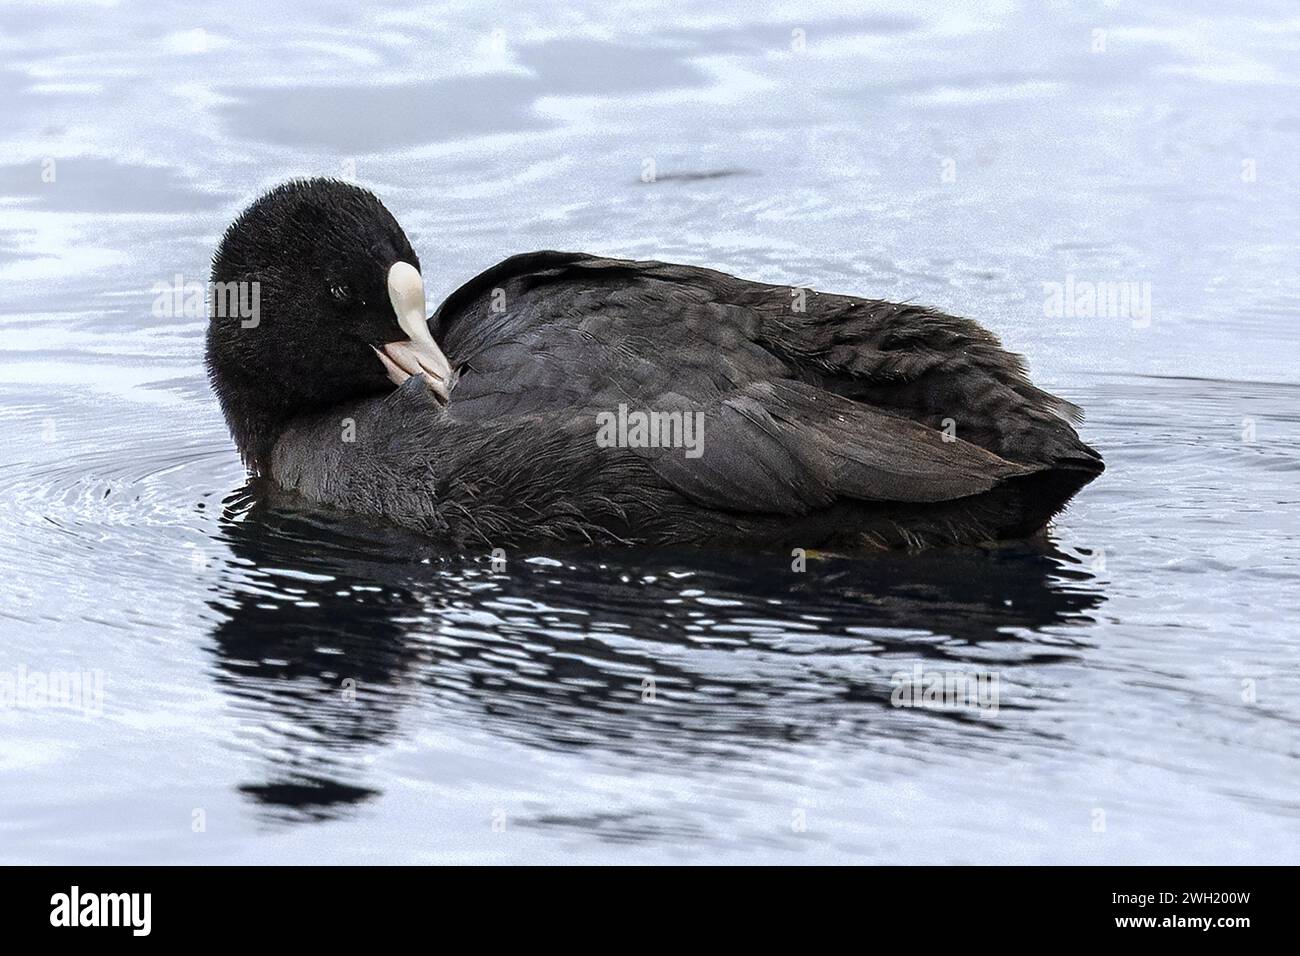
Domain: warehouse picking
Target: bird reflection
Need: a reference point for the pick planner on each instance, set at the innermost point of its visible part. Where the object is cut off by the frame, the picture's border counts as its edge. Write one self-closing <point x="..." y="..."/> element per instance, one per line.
<point x="332" y="635"/>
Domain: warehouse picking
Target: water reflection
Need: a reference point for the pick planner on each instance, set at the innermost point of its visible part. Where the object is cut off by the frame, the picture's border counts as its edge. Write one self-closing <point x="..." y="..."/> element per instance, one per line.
<point x="333" y="635"/>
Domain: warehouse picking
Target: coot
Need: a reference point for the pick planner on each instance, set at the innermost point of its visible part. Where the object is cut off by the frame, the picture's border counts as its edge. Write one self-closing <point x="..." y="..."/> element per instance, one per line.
<point x="564" y="396"/>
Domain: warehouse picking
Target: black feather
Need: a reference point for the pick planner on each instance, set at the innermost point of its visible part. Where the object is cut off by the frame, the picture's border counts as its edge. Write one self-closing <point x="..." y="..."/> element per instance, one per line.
<point x="851" y="422"/>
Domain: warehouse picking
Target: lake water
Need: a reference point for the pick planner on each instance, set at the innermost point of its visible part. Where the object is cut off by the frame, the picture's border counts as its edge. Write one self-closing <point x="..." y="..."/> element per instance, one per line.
<point x="264" y="685"/>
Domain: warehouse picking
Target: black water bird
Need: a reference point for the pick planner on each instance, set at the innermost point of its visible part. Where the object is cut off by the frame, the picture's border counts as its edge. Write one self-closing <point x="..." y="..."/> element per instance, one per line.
<point x="564" y="396"/>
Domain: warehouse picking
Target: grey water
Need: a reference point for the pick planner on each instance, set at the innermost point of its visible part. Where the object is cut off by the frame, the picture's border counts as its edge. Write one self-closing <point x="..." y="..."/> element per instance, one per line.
<point x="1111" y="188"/>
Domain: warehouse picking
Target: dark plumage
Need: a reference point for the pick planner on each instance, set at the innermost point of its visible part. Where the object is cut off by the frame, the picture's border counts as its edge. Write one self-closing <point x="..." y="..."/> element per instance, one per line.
<point x="849" y="423"/>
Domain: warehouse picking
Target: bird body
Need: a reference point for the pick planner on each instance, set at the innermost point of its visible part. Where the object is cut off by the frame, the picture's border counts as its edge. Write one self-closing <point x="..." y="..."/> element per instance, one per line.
<point x="616" y="401"/>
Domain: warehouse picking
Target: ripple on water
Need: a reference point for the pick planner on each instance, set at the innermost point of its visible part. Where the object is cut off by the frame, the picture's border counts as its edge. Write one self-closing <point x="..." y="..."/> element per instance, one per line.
<point x="330" y="641"/>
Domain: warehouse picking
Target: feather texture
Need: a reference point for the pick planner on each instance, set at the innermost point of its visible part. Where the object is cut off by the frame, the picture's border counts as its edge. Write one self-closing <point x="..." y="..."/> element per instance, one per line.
<point x="850" y="421"/>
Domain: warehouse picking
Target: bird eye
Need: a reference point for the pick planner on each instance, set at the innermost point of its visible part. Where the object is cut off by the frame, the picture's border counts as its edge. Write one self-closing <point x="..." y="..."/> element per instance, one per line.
<point x="340" y="291"/>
